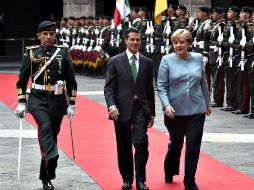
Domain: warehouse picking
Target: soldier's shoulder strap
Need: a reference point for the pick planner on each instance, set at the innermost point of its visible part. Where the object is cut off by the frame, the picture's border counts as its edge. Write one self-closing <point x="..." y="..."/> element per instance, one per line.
<point x="60" y="46"/>
<point x="32" y="47"/>
<point x="136" y="20"/>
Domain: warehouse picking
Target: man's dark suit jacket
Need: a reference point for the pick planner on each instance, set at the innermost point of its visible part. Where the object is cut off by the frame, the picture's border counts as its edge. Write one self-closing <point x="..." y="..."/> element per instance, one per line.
<point x="120" y="88"/>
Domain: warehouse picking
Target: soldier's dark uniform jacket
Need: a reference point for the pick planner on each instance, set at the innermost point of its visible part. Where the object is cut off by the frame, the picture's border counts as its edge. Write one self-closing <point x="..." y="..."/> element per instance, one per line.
<point x="59" y="69"/>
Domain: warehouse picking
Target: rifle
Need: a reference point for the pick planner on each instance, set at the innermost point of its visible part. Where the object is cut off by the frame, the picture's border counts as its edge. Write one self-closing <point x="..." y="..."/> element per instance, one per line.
<point x="147" y="37"/>
<point x="119" y="28"/>
<point x="167" y="31"/>
<point x="219" y="48"/>
<point x="112" y="41"/>
<point x="151" y="36"/>
<point x="242" y="62"/>
<point x="230" y="59"/>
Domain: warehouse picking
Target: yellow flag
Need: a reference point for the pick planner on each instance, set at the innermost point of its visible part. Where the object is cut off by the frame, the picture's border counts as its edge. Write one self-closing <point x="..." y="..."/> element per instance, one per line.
<point x="160" y="6"/>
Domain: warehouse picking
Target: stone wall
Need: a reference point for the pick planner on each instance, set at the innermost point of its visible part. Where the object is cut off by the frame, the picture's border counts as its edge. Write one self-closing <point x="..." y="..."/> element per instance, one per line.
<point x="78" y="8"/>
<point x="192" y="5"/>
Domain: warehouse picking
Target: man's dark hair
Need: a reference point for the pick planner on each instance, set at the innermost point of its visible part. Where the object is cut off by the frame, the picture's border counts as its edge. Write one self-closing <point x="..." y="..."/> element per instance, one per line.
<point x="129" y="30"/>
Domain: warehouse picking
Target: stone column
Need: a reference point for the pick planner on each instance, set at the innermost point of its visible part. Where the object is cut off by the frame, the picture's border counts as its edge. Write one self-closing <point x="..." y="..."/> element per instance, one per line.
<point x="78" y="8"/>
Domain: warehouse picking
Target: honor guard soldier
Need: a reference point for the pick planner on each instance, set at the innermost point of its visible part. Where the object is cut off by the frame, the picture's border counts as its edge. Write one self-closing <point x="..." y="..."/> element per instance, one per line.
<point x="182" y="22"/>
<point x="142" y="26"/>
<point x="229" y="32"/>
<point x="62" y="30"/>
<point x="250" y="69"/>
<point x="201" y="39"/>
<point x="215" y="56"/>
<point x="168" y="29"/>
<point x="50" y="68"/>
<point x="243" y="41"/>
<point x="156" y="54"/>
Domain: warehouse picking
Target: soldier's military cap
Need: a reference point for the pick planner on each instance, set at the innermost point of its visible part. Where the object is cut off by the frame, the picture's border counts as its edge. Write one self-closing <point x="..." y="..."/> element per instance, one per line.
<point x="136" y="9"/>
<point x="107" y="17"/>
<point x="234" y="8"/>
<point x="143" y="9"/>
<point x="205" y="9"/>
<point x="246" y="9"/>
<point x="46" y="26"/>
<point x="173" y="6"/>
<point x="218" y="10"/>
<point x="90" y="17"/>
<point x="64" y="18"/>
<point x="83" y="17"/>
<point x="71" y="18"/>
<point x="182" y="7"/>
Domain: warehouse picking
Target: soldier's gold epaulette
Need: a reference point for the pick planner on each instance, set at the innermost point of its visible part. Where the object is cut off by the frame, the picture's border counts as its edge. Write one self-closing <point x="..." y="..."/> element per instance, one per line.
<point x="61" y="46"/>
<point x="32" y="47"/>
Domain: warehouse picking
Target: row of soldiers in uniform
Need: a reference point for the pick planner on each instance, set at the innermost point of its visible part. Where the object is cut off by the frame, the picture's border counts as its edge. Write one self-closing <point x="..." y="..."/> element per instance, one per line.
<point x="227" y="44"/>
<point x="224" y="36"/>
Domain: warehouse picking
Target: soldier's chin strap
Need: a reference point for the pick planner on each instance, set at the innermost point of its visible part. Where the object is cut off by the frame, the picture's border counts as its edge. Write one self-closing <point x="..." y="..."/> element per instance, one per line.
<point x="46" y="64"/>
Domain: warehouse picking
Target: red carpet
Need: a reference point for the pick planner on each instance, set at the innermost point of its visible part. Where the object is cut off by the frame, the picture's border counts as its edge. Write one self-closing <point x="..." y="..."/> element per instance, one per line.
<point x="96" y="150"/>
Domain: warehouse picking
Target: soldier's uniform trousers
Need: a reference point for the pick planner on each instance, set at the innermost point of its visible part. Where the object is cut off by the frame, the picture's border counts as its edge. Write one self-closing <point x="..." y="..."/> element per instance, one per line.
<point x="251" y="86"/>
<point x="242" y="88"/>
<point x="250" y="61"/>
<point x="228" y="75"/>
<point x="213" y="69"/>
<point x="48" y="129"/>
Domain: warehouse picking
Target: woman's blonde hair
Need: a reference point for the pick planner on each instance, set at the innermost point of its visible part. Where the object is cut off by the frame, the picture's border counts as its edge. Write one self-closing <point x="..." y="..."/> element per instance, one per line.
<point x="181" y="32"/>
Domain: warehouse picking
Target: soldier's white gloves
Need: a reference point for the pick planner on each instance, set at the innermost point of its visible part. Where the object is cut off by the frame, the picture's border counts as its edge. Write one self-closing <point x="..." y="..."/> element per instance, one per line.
<point x="220" y="38"/>
<point x="205" y="60"/>
<point x="243" y="42"/>
<point x="119" y="27"/>
<point x="21" y="110"/>
<point x="231" y="40"/>
<point x="71" y="111"/>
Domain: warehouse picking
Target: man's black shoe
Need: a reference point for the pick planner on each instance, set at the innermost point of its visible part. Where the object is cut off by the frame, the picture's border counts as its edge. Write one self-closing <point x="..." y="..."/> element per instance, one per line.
<point x="229" y="109"/>
<point x="126" y="186"/>
<point x="141" y="186"/>
<point x="47" y="185"/>
<point x="247" y="115"/>
<point x="215" y="105"/>
<point x="251" y="116"/>
<point x="193" y="186"/>
<point x="237" y="112"/>
<point x="169" y="179"/>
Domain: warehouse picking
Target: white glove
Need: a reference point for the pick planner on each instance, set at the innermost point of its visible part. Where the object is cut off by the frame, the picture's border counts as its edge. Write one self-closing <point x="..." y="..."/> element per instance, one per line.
<point x="220" y="38"/>
<point x="231" y="40"/>
<point x="205" y="60"/>
<point x="71" y="111"/>
<point x="243" y="42"/>
<point x="21" y="110"/>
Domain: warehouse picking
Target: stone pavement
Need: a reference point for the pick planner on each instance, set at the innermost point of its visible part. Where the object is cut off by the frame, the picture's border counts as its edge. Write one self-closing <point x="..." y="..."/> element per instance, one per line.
<point x="228" y="138"/>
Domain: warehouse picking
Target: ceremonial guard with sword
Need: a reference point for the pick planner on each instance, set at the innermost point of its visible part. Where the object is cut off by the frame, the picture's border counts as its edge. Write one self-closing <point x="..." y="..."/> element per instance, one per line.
<point x="50" y="68"/>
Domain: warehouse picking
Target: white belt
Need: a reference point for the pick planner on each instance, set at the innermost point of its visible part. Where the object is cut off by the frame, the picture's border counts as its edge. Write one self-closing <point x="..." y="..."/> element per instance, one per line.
<point x="43" y="87"/>
<point x="214" y="48"/>
<point x="201" y="44"/>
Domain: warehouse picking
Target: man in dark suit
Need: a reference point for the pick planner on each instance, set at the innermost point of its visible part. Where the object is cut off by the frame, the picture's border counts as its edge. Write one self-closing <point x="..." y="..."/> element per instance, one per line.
<point x="129" y="95"/>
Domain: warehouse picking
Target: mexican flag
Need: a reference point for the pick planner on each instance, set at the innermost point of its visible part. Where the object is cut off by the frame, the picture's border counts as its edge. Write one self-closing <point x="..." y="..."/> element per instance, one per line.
<point x="121" y="11"/>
